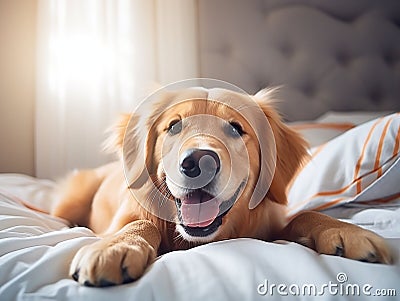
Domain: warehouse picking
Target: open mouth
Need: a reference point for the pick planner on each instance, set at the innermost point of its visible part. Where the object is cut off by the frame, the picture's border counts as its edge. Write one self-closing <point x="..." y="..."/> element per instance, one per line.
<point x="200" y="213"/>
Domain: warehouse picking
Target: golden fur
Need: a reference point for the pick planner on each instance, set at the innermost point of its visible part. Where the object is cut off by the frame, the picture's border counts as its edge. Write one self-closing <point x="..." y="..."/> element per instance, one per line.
<point x="132" y="237"/>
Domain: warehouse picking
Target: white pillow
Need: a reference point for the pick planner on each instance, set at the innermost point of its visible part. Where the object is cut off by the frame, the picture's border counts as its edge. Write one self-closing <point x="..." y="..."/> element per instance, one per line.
<point x="347" y="168"/>
<point x="355" y="117"/>
<point x="317" y="133"/>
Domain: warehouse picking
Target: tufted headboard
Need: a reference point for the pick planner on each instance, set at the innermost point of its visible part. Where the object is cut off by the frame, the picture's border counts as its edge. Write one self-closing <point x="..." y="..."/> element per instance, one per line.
<point x="327" y="54"/>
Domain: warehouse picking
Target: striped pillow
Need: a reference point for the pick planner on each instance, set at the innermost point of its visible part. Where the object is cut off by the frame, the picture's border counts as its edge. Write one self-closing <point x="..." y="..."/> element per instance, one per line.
<point x="361" y="165"/>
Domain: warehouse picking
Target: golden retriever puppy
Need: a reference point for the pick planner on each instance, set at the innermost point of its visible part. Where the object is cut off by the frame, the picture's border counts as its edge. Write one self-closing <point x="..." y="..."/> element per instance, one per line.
<point x="196" y="165"/>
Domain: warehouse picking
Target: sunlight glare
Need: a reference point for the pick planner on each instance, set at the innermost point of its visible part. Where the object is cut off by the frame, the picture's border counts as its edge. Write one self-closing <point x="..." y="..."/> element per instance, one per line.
<point x="81" y="59"/>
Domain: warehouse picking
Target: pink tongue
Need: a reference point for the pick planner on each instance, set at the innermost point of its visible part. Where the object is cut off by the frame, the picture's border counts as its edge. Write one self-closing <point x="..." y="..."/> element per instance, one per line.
<point x="199" y="210"/>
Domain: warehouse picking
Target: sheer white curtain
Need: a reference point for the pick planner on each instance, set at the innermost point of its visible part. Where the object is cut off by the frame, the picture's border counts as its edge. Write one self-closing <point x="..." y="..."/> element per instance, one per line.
<point x="96" y="58"/>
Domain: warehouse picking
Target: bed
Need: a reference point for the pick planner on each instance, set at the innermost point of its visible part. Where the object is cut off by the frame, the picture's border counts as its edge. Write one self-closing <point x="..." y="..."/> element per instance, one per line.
<point x="352" y="96"/>
<point x="35" y="248"/>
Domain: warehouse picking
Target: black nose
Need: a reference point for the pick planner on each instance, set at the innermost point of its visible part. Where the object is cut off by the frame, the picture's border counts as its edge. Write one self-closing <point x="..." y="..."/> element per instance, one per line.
<point x="195" y="162"/>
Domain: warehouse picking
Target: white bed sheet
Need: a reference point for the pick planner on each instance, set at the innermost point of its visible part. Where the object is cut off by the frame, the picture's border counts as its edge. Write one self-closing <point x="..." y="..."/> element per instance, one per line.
<point x="36" y="249"/>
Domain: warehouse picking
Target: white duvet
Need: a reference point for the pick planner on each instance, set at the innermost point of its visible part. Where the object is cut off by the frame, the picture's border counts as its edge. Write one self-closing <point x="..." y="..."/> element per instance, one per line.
<point x="36" y="249"/>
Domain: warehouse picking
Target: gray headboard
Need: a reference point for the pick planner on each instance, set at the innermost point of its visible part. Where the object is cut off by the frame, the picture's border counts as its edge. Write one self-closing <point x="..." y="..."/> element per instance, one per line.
<point x="327" y="54"/>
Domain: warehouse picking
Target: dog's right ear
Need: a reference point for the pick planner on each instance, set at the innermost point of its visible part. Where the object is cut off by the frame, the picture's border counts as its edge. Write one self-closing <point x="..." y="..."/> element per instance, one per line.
<point x="115" y="140"/>
<point x="128" y="138"/>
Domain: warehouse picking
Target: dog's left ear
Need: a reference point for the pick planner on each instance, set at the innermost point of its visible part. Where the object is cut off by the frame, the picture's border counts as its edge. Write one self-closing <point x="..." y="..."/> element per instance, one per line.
<point x="291" y="148"/>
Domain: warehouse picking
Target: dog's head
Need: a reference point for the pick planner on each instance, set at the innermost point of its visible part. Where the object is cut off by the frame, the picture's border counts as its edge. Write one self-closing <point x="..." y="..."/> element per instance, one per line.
<point x="212" y="154"/>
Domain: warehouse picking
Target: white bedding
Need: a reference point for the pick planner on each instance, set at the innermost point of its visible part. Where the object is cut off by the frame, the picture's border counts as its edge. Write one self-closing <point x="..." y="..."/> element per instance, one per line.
<point x="36" y="249"/>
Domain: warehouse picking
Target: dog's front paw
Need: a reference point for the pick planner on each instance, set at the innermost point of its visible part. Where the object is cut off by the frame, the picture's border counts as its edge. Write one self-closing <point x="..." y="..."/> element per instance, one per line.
<point x="107" y="262"/>
<point x="353" y="242"/>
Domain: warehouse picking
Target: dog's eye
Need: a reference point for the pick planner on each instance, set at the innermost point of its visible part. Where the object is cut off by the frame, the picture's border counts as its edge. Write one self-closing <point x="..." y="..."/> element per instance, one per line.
<point x="175" y="127"/>
<point x="234" y="129"/>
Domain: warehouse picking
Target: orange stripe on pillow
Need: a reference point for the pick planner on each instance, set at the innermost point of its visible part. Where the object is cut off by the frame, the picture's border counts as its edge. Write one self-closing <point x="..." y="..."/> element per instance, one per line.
<point x="336" y="126"/>
<point x="333" y="192"/>
<point x="397" y="143"/>
<point x="324" y="193"/>
<point x="361" y="158"/>
<point x="380" y="147"/>
<point x="382" y="200"/>
<point x="329" y="204"/>
<point x="377" y="201"/>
